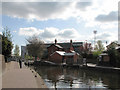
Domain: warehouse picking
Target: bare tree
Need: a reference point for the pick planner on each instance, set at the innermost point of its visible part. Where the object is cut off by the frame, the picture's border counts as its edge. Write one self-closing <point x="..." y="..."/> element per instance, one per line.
<point x="35" y="47"/>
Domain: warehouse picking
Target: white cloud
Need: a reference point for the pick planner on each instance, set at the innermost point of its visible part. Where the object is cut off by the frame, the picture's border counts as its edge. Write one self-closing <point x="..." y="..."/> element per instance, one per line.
<point x="68" y="33"/>
<point x="14" y="31"/>
<point x="108" y="36"/>
<point x="50" y="33"/>
<point x="34" y="10"/>
<point x="111" y="17"/>
<point x="97" y="8"/>
<point x="29" y="31"/>
<point x="83" y="11"/>
<point x="1" y="33"/>
<point x="104" y="36"/>
<point x="83" y="5"/>
<point x="109" y="25"/>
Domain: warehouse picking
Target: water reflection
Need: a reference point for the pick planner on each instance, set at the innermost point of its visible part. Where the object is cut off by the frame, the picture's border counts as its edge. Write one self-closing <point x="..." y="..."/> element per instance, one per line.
<point x="58" y="77"/>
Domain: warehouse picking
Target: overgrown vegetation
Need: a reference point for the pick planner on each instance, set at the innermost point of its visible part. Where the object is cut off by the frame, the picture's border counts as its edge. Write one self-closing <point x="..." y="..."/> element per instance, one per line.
<point x="99" y="48"/>
<point x="27" y="57"/>
<point x="86" y="50"/>
<point x="114" y="55"/>
<point x="7" y="45"/>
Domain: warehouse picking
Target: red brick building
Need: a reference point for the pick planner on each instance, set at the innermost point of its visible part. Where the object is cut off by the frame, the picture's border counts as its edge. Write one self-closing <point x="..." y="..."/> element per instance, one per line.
<point x="59" y="54"/>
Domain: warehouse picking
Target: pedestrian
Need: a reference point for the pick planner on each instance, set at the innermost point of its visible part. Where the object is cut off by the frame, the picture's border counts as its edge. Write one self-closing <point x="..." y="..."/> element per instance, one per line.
<point x="100" y="58"/>
<point x="20" y="63"/>
<point x="84" y="62"/>
<point x="28" y="63"/>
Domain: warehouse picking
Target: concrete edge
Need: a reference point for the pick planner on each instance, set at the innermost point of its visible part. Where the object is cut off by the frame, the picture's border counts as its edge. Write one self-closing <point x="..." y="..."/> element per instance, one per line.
<point x="39" y="80"/>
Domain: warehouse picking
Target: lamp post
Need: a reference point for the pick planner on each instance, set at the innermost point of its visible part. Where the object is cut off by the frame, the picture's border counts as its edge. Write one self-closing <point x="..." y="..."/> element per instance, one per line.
<point x="95" y="32"/>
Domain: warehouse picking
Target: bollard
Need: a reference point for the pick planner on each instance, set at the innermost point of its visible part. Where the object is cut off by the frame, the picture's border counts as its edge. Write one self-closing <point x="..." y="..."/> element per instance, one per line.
<point x="36" y="71"/>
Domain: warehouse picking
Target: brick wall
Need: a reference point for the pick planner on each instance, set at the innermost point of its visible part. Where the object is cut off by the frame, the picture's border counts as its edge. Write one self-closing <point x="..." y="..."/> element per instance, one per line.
<point x="56" y="58"/>
<point x="52" y="49"/>
<point x="75" y="58"/>
<point x="106" y="58"/>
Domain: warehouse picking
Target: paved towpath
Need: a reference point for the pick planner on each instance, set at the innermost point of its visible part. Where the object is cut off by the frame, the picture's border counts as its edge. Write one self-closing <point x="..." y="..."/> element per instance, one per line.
<point x="14" y="77"/>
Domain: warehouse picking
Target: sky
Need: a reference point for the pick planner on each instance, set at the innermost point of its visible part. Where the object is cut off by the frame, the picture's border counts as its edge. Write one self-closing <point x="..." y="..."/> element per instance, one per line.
<point x="63" y="20"/>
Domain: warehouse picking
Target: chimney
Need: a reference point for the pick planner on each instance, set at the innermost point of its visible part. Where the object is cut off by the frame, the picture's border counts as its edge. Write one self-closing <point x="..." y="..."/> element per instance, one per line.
<point x="70" y="42"/>
<point x="55" y="41"/>
<point x="71" y="47"/>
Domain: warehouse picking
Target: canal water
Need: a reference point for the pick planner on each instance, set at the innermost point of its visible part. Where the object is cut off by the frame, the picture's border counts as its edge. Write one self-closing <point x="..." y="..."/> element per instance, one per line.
<point x="59" y="77"/>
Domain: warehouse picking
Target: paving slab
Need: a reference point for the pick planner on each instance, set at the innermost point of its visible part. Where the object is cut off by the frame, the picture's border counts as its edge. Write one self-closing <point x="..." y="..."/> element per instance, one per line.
<point x="14" y="77"/>
<point x="19" y="78"/>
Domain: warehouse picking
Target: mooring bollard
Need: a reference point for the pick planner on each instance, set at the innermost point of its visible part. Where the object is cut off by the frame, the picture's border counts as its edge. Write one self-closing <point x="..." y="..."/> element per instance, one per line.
<point x="36" y="72"/>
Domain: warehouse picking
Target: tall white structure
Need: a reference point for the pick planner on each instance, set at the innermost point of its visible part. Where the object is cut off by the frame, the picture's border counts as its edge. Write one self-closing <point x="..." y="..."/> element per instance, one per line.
<point x="119" y="36"/>
<point x="23" y="51"/>
<point x="95" y="32"/>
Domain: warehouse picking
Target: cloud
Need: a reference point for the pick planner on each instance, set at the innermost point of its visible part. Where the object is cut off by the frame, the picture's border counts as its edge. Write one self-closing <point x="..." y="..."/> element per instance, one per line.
<point x="60" y="34"/>
<point x="43" y="10"/>
<point x="30" y="31"/>
<point x="109" y="25"/>
<point x="68" y="33"/>
<point x="34" y="10"/>
<point x="111" y="17"/>
<point x="90" y="12"/>
<point x="95" y="10"/>
<point x="83" y="5"/>
<point x="14" y="31"/>
<point x="107" y="36"/>
<point x="1" y="33"/>
<point x="104" y="36"/>
<point x="50" y="33"/>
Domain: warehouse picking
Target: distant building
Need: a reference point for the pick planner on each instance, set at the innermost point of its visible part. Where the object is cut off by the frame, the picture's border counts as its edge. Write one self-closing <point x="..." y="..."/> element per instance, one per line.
<point x="23" y="51"/>
<point x="77" y="46"/>
<point x="104" y="57"/>
<point x="62" y="53"/>
<point x="116" y="45"/>
<point x="112" y="44"/>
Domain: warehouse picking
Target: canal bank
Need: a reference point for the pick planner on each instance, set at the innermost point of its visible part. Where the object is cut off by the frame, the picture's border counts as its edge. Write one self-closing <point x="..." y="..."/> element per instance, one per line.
<point x="101" y="68"/>
<point x="89" y="66"/>
<point x="14" y="77"/>
<point x="94" y="67"/>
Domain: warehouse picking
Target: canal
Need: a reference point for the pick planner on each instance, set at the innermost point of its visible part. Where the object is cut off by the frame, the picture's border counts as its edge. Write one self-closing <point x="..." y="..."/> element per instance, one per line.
<point x="59" y="77"/>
